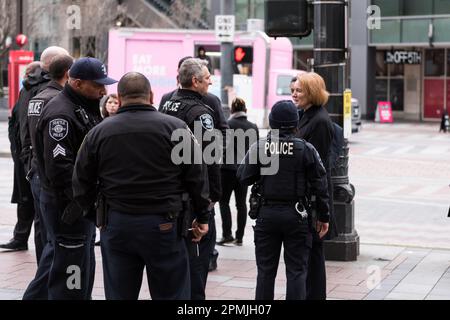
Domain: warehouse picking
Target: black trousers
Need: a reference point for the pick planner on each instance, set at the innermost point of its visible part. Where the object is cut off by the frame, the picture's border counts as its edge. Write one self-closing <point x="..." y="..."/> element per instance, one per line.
<point x="199" y="264"/>
<point x="40" y="229"/>
<point x="67" y="266"/>
<point x="131" y="243"/>
<point x="316" y="282"/>
<point x="279" y="226"/>
<point x="229" y="184"/>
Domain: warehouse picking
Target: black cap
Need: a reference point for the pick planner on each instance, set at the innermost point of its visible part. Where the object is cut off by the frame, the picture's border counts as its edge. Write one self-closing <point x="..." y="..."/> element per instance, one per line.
<point x="90" y="69"/>
<point x="284" y="115"/>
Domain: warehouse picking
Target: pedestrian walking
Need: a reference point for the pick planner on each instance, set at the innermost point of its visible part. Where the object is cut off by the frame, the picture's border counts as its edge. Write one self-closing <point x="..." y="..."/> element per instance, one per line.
<point x="283" y="218"/>
<point x="142" y="195"/>
<point x="235" y="153"/>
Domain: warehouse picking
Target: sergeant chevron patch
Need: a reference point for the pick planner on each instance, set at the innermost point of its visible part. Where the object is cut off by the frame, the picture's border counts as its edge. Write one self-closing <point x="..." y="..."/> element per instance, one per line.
<point x="59" y="151"/>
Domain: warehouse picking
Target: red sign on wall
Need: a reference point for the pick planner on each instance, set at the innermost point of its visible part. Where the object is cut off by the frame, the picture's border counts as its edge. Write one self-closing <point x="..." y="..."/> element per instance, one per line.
<point x="384" y="112"/>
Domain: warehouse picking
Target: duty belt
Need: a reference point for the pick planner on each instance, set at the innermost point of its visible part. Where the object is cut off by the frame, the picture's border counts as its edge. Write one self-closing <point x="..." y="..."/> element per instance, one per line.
<point x="299" y="207"/>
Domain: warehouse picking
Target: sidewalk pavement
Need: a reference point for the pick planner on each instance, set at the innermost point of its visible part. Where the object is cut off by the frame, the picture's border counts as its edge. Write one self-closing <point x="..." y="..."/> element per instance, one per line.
<point x="381" y="272"/>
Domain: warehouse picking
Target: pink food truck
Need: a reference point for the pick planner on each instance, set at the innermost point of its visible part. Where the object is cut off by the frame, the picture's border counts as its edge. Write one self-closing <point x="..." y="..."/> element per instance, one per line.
<point x="261" y="79"/>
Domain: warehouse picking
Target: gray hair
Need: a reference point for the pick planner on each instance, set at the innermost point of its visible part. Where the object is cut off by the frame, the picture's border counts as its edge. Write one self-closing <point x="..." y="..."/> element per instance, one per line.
<point x="190" y="68"/>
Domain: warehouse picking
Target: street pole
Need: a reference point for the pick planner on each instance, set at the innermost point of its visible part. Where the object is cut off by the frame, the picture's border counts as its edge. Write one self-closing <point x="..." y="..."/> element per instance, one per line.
<point x="226" y="67"/>
<point x="330" y="61"/>
<point x="19" y="17"/>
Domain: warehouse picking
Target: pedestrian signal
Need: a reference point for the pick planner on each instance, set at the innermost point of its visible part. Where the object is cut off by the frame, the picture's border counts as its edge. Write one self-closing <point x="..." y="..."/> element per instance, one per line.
<point x="243" y="54"/>
<point x="287" y="18"/>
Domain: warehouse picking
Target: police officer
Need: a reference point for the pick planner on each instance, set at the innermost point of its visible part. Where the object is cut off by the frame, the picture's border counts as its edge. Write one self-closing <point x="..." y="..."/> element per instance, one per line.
<point x="283" y="219"/>
<point x="143" y="192"/>
<point x="59" y="73"/>
<point x="186" y="104"/>
<point x="63" y="125"/>
<point x="36" y="80"/>
<point x="221" y="124"/>
<point x="21" y="188"/>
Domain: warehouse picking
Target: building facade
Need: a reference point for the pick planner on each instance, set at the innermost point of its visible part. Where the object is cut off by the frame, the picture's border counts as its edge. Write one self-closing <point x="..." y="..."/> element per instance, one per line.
<point x="404" y="56"/>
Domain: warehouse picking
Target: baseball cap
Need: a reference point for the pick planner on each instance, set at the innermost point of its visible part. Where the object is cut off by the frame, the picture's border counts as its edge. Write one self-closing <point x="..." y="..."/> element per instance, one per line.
<point x="90" y="69"/>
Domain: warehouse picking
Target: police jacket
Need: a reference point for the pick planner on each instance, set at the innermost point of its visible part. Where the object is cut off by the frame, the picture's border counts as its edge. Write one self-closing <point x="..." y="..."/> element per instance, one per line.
<point x="187" y="105"/>
<point x="295" y="169"/>
<point x="210" y="100"/>
<point x="130" y="155"/>
<point x="316" y="127"/>
<point x="21" y="187"/>
<point x="64" y="123"/>
<point x="35" y="107"/>
<point x="35" y="84"/>
<point x="236" y="151"/>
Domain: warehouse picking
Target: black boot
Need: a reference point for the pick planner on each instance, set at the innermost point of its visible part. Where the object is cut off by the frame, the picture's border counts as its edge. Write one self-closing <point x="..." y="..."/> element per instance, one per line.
<point x="15" y="245"/>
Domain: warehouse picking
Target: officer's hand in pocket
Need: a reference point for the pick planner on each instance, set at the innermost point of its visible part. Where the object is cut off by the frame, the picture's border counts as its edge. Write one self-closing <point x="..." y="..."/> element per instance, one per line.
<point x="322" y="228"/>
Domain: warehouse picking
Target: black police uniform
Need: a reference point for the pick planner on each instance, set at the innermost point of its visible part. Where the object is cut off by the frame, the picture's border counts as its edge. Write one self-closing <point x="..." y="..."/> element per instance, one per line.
<point x="37" y="290"/>
<point x="282" y="218"/>
<point x="210" y="100"/>
<point x="19" y="138"/>
<point x="143" y="189"/>
<point x="221" y="124"/>
<point x="316" y="127"/>
<point x="63" y="125"/>
<point x="188" y="106"/>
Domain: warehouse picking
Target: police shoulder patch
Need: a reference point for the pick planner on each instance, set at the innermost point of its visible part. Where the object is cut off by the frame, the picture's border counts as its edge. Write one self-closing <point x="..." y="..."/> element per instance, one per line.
<point x="58" y="129"/>
<point x="207" y="122"/>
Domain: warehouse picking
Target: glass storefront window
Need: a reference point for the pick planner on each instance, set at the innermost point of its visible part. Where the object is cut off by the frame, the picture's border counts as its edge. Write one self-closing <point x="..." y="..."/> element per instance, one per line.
<point x="434" y="62"/>
<point x="381" y="67"/>
<point x="448" y="63"/>
<point x="389" y="83"/>
<point x="381" y="89"/>
<point x="441" y="7"/>
<point x="396" y="94"/>
<point x="415" y="30"/>
<point x="389" y="7"/>
<point x="396" y="70"/>
<point x="417" y="7"/>
<point x="441" y="28"/>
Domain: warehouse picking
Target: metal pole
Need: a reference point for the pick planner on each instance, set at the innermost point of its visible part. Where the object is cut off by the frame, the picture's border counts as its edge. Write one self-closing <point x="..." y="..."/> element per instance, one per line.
<point x="19" y="16"/>
<point x="330" y="61"/>
<point x="226" y="60"/>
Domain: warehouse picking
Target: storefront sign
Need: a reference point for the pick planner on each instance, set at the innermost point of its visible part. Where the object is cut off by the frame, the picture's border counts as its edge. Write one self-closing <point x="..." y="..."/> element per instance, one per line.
<point x="403" y="57"/>
<point x="384" y="112"/>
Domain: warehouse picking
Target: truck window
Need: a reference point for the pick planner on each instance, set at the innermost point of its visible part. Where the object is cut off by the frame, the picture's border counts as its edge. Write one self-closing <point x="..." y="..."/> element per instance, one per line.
<point x="283" y="83"/>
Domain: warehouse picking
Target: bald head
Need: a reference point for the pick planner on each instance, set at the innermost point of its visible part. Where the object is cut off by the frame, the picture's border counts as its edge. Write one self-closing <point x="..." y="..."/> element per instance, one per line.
<point x="134" y="88"/>
<point x="50" y="53"/>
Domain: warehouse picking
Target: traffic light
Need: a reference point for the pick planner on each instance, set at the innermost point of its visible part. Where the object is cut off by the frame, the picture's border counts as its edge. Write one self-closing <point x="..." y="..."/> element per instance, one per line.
<point x="243" y="55"/>
<point x="287" y="18"/>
